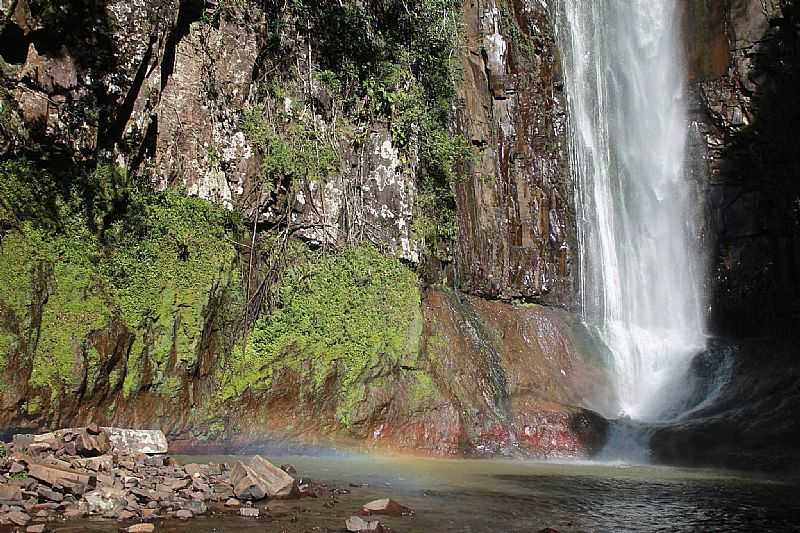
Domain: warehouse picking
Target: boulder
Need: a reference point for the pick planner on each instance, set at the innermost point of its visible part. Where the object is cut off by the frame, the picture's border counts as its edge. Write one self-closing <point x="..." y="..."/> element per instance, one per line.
<point x="89" y="445"/>
<point x="260" y="478"/>
<point x="356" y="524"/>
<point x="131" y="441"/>
<point x="385" y="506"/>
<point x="183" y="514"/>
<point x="18" y="518"/>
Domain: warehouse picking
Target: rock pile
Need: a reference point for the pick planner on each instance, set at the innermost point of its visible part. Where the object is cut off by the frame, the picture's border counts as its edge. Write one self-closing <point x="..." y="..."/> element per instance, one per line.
<point x="123" y="475"/>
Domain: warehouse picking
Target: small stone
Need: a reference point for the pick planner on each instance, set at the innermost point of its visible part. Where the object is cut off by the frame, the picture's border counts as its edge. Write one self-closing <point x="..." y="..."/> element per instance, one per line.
<point x="36" y="528"/>
<point x="232" y="502"/>
<point x="249" y="512"/>
<point x="141" y="528"/>
<point x="149" y="513"/>
<point x="356" y="524"/>
<point x="385" y="506"/>
<point x="184" y="514"/>
<point x="126" y="515"/>
<point x="16" y="468"/>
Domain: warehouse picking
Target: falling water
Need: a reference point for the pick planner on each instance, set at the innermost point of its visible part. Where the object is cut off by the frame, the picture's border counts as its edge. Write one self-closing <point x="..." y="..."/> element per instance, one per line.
<point x="640" y="280"/>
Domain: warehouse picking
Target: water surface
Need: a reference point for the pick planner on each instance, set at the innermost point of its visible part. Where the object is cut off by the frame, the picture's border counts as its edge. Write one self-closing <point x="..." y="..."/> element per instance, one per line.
<point x="473" y="496"/>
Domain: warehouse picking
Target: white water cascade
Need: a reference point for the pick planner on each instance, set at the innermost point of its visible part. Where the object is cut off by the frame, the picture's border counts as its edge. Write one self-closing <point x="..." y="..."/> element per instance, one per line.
<point x="640" y="275"/>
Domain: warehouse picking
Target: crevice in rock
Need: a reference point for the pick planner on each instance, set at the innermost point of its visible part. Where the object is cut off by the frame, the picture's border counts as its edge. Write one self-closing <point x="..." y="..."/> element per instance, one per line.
<point x="190" y="11"/>
<point x="116" y="128"/>
<point x="13" y="45"/>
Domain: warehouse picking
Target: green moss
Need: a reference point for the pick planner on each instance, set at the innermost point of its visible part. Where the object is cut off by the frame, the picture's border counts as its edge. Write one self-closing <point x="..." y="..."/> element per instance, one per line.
<point x="75" y="306"/>
<point x="154" y="269"/>
<point x="162" y="279"/>
<point x="423" y="389"/>
<point x="343" y="314"/>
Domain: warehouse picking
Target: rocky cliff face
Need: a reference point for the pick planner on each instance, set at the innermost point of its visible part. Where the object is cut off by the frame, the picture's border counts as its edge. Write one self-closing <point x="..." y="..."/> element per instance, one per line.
<point x="138" y="319"/>
<point x="516" y="214"/>
<point x="744" y="60"/>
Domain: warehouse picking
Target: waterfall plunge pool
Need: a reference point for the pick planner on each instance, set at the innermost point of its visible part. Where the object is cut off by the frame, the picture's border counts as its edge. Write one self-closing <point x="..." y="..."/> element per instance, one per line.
<point x="511" y="496"/>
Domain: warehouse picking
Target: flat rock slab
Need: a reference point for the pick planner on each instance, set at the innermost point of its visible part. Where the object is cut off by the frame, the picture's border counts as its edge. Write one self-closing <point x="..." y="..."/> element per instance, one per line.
<point x="141" y="528"/>
<point x="150" y="441"/>
<point x="54" y="475"/>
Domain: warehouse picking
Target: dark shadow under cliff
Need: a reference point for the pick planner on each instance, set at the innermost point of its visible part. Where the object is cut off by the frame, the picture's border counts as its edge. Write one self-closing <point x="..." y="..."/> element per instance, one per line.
<point x="756" y="197"/>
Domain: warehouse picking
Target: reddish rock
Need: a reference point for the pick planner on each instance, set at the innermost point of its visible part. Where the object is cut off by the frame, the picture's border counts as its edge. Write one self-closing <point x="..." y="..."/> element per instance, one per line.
<point x="141" y="528"/>
<point x="92" y="445"/>
<point x="10" y="493"/>
<point x="54" y="476"/>
<point x="385" y="506"/>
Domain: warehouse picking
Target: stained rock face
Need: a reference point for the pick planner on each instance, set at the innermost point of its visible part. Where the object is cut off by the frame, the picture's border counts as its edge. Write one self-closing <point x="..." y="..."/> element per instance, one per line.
<point x="491" y="379"/>
<point x="516" y="215"/>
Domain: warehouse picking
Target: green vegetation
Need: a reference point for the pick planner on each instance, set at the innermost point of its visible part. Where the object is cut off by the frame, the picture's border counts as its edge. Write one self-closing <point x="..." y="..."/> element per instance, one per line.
<point x="342" y="315"/>
<point x="290" y="148"/>
<point x="148" y="260"/>
<point x="396" y="62"/>
<point x="87" y="250"/>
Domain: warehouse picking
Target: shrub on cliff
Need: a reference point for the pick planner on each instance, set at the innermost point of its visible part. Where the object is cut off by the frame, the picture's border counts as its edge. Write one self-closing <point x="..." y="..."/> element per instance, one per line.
<point x="340" y="315"/>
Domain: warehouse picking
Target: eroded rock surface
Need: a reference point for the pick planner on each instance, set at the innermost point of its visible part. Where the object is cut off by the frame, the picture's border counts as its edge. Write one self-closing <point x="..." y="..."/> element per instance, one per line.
<point x="516" y="214"/>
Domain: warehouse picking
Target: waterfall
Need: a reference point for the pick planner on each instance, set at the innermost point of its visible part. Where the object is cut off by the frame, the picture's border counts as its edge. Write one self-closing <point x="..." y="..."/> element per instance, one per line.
<point x="640" y="273"/>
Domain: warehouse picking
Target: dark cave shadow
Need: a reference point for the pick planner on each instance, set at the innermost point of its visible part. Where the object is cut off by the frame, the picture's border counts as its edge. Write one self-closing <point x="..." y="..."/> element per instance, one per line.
<point x="757" y="202"/>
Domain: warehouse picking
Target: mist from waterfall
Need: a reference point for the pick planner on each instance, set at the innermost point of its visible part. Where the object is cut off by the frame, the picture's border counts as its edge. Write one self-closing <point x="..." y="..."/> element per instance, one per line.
<point x="640" y="275"/>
